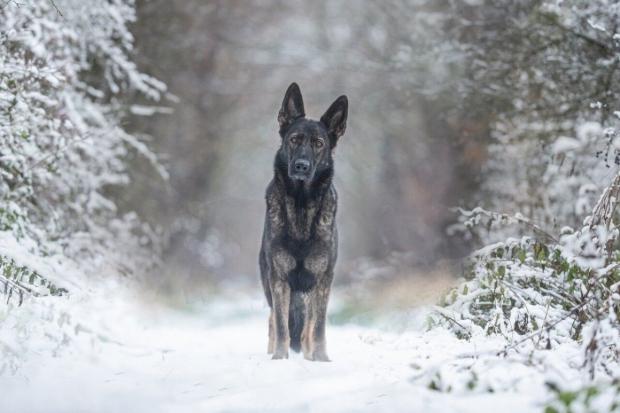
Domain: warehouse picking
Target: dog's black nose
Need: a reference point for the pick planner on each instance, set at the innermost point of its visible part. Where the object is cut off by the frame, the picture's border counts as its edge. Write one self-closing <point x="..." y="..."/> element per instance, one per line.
<point x="302" y="165"/>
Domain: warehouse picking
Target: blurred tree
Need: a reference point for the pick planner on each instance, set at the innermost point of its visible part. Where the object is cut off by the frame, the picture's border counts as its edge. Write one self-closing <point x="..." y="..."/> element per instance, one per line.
<point x="399" y="166"/>
<point x="547" y="73"/>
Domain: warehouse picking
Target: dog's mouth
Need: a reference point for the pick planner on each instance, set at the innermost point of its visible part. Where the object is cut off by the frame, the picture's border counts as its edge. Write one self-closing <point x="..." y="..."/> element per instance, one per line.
<point x="297" y="176"/>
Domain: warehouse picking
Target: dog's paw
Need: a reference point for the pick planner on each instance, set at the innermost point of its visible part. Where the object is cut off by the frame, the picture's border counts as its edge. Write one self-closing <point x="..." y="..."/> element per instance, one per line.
<point x="280" y="355"/>
<point x="320" y="356"/>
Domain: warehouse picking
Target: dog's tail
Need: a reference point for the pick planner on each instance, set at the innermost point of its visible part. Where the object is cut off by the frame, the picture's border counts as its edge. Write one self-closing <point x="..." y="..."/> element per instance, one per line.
<point x="296" y="318"/>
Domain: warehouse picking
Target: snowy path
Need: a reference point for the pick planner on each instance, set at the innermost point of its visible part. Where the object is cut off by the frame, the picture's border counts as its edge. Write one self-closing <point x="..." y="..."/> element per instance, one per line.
<point x="195" y="362"/>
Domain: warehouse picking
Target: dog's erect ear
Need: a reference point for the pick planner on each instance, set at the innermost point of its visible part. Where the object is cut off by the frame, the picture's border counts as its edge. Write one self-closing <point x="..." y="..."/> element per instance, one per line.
<point x="335" y="119"/>
<point x="292" y="107"/>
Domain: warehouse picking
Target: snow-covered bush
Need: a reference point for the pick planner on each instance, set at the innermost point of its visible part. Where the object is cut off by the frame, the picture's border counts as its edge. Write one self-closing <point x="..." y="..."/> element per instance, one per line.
<point x="595" y="398"/>
<point x="65" y="72"/>
<point x="549" y="72"/>
<point x="62" y="80"/>
<point x="540" y="291"/>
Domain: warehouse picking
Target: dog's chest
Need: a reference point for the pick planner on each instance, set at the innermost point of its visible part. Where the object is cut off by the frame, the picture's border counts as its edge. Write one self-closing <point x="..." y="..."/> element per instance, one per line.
<point x="300" y="219"/>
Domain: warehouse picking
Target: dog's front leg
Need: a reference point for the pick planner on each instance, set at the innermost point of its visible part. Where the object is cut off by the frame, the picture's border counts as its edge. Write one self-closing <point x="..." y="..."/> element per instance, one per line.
<point x="283" y="263"/>
<point x="313" y="335"/>
<point x="317" y="324"/>
<point x="281" y="300"/>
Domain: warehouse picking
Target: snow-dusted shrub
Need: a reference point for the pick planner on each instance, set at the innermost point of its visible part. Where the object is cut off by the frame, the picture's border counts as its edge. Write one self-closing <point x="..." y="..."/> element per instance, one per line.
<point x="62" y="80"/>
<point x="545" y="290"/>
<point x="595" y="398"/>
<point x="551" y="70"/>
<point x="65" y="74"/>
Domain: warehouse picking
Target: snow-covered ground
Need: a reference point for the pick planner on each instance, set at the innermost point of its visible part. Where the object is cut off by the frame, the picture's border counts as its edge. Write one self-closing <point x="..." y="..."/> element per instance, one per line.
<point x="212" y="358"/>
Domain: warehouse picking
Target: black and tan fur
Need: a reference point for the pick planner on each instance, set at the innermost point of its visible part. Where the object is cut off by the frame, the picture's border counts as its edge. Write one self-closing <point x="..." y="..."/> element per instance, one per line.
<point x="299" y="245"/>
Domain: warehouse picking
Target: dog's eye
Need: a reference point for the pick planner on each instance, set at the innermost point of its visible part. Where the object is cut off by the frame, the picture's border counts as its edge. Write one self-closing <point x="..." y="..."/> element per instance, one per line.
<point x="319" y="143"/>
<point x="294" y="139"/>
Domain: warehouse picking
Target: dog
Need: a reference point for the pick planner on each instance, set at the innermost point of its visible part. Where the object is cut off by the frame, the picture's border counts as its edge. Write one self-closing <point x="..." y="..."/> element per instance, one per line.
<point x="300" y="241"/>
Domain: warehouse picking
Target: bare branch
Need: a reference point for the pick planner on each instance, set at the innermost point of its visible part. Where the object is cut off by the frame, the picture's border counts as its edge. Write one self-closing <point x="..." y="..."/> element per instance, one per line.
<point x="57" y="9"/>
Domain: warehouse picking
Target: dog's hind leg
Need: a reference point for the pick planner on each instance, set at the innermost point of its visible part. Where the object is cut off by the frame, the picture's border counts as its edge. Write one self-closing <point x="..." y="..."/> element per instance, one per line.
<point x="264" y="276"/>
<point x="306" y="333"/>
<point x="272" y="333"/>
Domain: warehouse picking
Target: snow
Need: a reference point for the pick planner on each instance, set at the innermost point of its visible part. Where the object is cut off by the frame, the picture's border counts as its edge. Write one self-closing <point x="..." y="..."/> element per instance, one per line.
<point x="597" y="26"/>
<point x="565" y="144"/>
<point x="142" y="110"/>
<point x="141" y="356"/>
<point x="588" y="131"/>
<point x="56" y="268"/>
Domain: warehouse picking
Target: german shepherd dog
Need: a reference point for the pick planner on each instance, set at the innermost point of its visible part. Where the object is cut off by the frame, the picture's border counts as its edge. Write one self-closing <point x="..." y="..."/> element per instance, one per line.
<point x="299" y="245"/>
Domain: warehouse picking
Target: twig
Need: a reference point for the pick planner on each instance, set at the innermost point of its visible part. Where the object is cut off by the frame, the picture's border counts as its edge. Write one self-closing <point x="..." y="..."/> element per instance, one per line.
<point x="543" y="323"/>
<point x="550" y="326"/>
<point x="54" y="154"/>
<point x="603" y="212"/>
<point x="451" y="319"/>
<point x="57" y="9"/>
<point x="516" y="217"/>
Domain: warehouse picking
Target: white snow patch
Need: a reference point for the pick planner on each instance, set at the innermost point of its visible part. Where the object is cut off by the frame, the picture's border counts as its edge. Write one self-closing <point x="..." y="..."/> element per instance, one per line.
<point x="213" y="359"/>
<point x="565" y="144"/>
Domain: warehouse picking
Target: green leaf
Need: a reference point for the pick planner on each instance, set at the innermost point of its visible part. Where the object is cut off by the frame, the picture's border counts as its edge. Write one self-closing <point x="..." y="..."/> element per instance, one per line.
<point x="567" y="397"/>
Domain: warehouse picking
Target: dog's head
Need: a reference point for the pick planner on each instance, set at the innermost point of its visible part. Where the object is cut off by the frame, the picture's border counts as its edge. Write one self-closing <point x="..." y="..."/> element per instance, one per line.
<point x="307" y="144"/>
